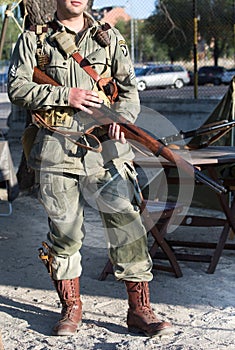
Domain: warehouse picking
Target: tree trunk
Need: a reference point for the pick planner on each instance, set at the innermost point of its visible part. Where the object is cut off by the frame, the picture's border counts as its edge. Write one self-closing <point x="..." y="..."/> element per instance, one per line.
<point x="38" y="11"/>
<point x="42" y="11"/>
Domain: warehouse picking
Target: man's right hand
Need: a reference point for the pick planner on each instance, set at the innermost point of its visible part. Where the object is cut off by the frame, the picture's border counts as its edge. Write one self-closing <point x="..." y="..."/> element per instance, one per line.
<point x="83" y="99"/>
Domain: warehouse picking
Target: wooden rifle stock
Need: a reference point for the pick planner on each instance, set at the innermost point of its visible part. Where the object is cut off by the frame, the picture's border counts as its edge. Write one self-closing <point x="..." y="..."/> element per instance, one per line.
<point x="104" y="116"/>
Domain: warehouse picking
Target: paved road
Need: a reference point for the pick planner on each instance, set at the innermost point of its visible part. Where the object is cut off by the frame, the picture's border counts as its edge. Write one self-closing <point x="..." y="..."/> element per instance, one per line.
<point x="187" y="92"/>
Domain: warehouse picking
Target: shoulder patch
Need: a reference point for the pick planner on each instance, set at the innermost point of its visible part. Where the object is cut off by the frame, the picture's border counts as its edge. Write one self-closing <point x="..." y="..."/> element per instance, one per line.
<point x="124" y="47"/>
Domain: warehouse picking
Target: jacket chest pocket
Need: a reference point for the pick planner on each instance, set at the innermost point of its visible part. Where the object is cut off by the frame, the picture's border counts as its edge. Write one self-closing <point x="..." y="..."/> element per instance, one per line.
<point x="57" y="67"/>
<point x="100" y="62"/>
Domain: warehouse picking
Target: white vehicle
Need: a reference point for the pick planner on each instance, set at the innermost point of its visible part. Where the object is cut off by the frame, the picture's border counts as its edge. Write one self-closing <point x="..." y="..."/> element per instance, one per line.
<point x="155" y="76"/>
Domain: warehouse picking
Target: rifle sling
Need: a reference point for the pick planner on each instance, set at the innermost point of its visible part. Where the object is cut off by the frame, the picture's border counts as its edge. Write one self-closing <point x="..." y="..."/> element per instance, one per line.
<point x="84" y="64"/>
<point x="67" y="134"/>
<point x="107" y="85"/>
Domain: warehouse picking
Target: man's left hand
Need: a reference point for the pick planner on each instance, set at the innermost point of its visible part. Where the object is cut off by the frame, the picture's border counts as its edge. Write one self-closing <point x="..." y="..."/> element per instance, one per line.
<point x="115" y="133"/>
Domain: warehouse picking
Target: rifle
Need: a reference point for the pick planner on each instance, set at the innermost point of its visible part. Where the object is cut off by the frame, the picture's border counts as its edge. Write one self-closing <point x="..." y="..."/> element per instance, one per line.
<point x="104" y="116"/>
<point x="221" y="127"/>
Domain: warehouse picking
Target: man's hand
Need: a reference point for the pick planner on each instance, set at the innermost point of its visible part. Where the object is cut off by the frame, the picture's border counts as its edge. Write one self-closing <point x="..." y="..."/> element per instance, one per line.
<point x="83" y="99"/>
<point x="115" y="133"/>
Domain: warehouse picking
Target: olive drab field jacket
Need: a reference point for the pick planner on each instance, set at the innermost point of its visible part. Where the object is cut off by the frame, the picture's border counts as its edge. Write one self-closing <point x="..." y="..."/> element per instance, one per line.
<point x="50" y="150"/>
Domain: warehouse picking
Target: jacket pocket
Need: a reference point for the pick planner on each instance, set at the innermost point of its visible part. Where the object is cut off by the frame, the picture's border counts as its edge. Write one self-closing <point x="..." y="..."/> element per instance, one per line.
<point x="47" y="150"/>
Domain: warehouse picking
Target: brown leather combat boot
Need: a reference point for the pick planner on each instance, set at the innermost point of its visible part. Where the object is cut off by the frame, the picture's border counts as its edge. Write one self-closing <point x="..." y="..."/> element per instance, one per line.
<point x="71" y="314"/>
<point x="141" y="318"/>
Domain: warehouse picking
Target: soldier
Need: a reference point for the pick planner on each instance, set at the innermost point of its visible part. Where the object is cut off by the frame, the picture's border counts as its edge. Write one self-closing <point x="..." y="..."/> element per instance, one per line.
<point x="68" y="172"/>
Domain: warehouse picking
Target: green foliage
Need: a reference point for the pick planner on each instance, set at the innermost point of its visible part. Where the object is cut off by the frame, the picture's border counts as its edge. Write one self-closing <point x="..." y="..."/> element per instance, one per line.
<point x="125" y="29"/>
<point x="144" y="43"/>
<point x="12" y="34"/>
<point x="173" y="27"/>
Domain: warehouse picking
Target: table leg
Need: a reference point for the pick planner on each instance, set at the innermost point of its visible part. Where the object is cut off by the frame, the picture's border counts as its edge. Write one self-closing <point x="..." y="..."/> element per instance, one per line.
<point x="230" y="215"/>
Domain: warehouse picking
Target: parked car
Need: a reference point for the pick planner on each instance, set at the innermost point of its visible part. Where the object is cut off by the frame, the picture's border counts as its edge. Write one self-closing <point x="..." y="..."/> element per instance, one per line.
<point x="211" y="75"/>
<point x="228" y="75"/>
<point x="3" y="78"/>
<point x="155" y="76"/>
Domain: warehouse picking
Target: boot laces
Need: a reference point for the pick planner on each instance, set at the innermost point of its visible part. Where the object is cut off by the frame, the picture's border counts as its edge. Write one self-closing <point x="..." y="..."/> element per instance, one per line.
<point x="70" y="303"/>
<point x="144" y="305"/>
<point x="69" y="308"/>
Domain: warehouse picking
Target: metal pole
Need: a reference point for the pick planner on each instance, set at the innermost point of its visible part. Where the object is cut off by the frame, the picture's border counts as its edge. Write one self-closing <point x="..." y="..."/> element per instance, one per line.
<point x="136" y="41"/>
<point x="195" y="44"/>
<point x="132" y="41"/>
<point x="4" y="30"/>
<point x="233" y="102"/>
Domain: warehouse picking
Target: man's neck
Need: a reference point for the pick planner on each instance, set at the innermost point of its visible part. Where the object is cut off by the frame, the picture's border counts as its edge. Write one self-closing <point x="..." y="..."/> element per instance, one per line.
<point x="75" y="23"/>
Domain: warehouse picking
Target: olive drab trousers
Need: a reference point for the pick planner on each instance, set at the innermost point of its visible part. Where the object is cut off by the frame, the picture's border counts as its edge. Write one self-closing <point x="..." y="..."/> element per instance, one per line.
<point x="112" y="193"/>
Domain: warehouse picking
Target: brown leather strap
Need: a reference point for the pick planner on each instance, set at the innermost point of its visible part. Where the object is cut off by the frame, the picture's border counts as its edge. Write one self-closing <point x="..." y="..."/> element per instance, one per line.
<point x="107" y="85"/>
<point x="85" y="64"/>
<point x="67" y="134"/>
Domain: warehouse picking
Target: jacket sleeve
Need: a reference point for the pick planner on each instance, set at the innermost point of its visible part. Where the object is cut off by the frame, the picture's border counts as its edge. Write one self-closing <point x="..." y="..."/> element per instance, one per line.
<point x="21" y="88"/>
<point x="123" y="73"/>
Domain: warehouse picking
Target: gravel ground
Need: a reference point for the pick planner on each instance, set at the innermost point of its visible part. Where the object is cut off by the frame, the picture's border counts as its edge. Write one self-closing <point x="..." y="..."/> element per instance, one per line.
<point x="200" y="306"/>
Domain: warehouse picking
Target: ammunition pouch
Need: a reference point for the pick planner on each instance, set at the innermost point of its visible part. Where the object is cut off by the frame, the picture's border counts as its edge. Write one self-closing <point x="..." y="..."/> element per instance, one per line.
<point x="52" y="120"/>
<point x="58" y="117"/>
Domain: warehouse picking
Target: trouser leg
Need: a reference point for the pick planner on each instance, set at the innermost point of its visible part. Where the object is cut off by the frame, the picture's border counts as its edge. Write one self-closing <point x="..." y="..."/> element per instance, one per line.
<point x="64" y="203"/>
<point x="126" y="235"/>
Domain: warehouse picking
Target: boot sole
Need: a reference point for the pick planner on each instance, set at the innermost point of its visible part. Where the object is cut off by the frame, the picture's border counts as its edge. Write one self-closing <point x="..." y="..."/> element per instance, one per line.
<point x="160" y="333"/>
<point x="66" y="333"/>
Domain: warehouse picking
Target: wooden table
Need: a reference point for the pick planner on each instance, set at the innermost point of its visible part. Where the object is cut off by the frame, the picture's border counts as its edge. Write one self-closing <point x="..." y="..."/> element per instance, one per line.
<point x="208" y="159"/>
<point x="8" y="179"/>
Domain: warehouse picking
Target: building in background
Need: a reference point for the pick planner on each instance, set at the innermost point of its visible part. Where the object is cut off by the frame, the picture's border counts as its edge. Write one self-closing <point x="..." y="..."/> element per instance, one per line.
<point x="111" y="14"/>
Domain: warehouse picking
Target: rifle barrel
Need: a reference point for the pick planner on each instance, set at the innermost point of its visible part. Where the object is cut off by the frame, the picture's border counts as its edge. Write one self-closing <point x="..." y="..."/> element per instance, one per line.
<point x="198" y="132"/>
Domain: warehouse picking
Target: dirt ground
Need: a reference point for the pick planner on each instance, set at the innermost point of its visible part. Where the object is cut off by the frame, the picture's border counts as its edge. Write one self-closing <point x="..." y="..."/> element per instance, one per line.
<point x="200" y="306"/>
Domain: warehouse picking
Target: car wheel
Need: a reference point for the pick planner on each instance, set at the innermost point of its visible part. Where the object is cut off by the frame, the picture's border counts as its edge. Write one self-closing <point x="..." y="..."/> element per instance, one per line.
<point x="179" y="84"/>
<point x="141" y="86"/>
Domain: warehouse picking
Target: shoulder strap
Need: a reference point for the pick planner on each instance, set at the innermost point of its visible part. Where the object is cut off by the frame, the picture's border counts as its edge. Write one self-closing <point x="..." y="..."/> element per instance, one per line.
<point x="40" y="31"/>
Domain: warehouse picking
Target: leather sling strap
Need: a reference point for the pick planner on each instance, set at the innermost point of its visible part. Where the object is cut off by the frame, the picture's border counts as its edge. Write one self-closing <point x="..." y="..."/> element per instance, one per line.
<point x="68" y="134"/>
<point x="84" y="64"/>
<point x="102" y="83"/>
